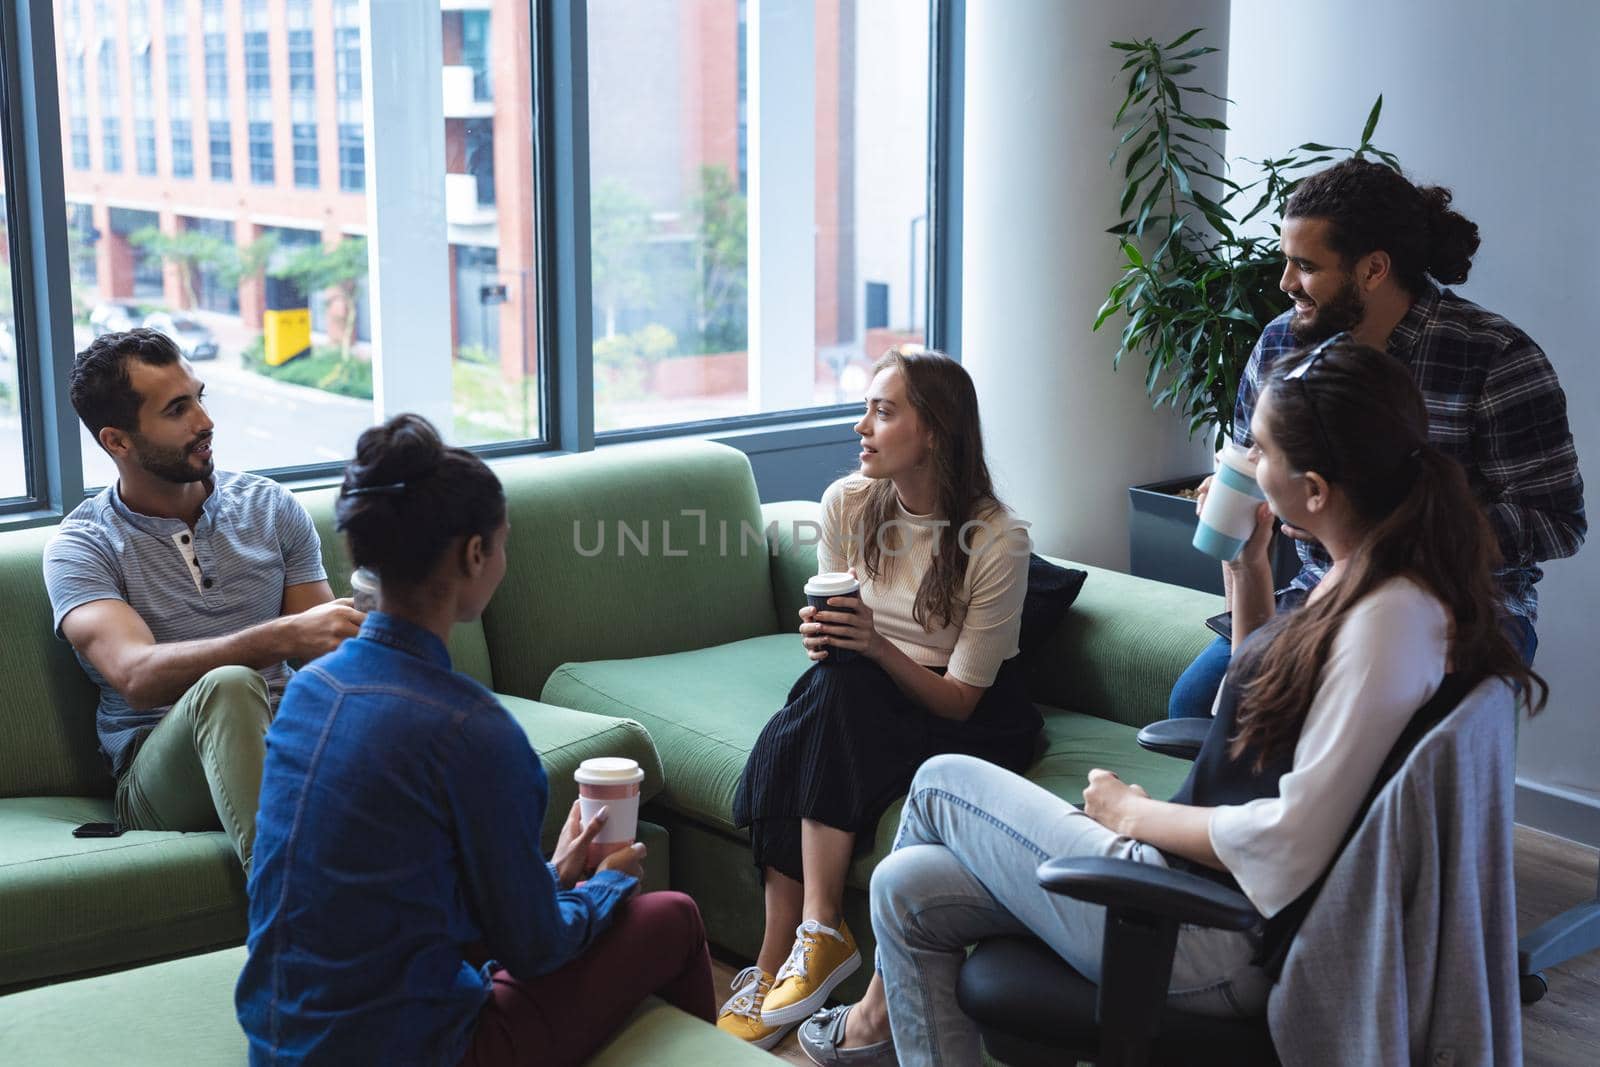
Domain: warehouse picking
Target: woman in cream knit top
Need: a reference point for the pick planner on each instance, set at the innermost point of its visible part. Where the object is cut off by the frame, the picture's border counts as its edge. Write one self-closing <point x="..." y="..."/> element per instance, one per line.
<point x="943" y="569"/>
<point x="983" y="632"/>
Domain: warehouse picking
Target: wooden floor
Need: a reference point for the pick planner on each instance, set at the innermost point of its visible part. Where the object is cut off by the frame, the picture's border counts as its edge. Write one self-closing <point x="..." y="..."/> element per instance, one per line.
<point x="1563" y="1029"/>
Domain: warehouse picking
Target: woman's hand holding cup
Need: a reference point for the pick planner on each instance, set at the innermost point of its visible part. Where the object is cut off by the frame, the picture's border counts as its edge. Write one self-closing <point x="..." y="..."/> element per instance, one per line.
<point x="572" y="848"/>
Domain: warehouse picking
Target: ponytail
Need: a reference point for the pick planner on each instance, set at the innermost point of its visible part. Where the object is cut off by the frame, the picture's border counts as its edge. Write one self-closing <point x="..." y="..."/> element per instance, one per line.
<point x="1452" y="237"/>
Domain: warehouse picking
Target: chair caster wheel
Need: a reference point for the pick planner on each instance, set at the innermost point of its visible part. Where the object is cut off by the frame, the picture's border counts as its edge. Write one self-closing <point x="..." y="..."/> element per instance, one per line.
<point x="1533" y="987"/>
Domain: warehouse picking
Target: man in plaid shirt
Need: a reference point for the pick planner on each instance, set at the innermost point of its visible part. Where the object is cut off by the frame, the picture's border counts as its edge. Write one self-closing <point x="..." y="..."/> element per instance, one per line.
<point x="1362" y="249"/>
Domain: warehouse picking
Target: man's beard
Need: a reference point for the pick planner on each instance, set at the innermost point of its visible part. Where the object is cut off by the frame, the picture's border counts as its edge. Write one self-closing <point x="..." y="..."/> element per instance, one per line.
<point x="1342" y="313"/>
<point x="170" y="464"/>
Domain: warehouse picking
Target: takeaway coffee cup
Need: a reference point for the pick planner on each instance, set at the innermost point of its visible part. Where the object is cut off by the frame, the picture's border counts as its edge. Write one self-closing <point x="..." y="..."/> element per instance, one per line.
<point x="364" y="590"/>
<point x="610" y="782"/>
<point x="1229" y="515"/>
<point x="832" y="584"/>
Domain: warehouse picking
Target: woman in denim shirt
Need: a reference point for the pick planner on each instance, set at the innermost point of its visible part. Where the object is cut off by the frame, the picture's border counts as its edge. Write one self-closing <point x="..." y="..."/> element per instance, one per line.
<point x="401" y="910"/>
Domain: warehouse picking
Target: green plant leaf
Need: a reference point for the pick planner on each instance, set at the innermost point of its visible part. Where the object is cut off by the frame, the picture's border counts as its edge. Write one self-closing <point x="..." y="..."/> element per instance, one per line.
<point x="1140" y="150"/>
<point x="1133" y="98"/>
<point x="1185" y="38"/>
<point x="1107" y="309"/>
<point x="1149" y="203"/>
<point x="1312" y="146"/>
<point x="1132" y="252"/>
<point x="1200" y="122"/>
<point x="1372" y="120"/>
<point x="1131" y="134"/>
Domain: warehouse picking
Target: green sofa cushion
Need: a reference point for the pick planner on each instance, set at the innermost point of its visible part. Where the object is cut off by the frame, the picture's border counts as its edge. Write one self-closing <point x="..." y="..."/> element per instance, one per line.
<point x="47" y="739"/>
<point x="1121" y="646"/>
<point x="704" y="709"/>
<point x="71" y="904"/>
<point x="652" y="586"/>
<point x="181" y="1011"/>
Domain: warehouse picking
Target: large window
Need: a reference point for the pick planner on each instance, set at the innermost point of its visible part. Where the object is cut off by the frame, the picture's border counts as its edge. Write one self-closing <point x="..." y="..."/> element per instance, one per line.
<point x="13" y="456"/>
<point x="757" y="195"/>
<point x="839" y="230"/>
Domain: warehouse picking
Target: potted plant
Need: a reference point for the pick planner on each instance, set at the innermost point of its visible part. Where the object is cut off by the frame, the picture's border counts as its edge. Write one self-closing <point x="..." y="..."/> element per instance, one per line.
<point x="1198" y="283"/>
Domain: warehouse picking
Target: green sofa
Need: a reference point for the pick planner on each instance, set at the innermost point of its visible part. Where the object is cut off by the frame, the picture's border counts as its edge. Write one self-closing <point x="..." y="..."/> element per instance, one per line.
<point x="648" y="610"/>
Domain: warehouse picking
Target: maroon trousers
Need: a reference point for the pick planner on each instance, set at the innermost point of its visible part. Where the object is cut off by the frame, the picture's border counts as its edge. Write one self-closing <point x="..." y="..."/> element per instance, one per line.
<point x="656" y="945"/>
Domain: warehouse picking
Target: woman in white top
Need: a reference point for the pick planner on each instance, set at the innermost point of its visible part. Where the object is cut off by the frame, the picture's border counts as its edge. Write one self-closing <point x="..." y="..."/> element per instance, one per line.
<point x="923" y="663"/>
<point x="1314" y="701"/>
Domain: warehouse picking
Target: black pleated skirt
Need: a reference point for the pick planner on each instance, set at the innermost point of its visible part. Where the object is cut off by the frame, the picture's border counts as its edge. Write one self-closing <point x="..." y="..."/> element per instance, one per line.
<point x="846" y="745"/>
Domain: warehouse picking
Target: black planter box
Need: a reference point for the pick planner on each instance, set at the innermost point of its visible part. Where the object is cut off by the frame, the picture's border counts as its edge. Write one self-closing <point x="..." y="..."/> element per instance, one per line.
<point x="1160" y="540"/>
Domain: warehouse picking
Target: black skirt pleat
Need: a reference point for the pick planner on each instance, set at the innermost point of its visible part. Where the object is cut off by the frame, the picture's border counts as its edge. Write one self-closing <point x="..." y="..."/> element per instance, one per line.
<point x="847" y="744"/>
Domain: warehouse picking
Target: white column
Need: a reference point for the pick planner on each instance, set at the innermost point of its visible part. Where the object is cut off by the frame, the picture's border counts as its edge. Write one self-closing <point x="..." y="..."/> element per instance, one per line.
<point x="782" y="74"/>
<point x="1067" y="435"/>
<point x="402" y="74"/>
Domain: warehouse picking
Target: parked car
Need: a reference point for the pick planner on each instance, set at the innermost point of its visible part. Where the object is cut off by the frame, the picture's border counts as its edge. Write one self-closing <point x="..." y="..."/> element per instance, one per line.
<point x="113" y="318"/>
<point x="194" y="339"/>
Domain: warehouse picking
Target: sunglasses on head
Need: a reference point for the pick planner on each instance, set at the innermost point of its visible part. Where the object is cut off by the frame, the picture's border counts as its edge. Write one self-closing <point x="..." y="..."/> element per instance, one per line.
<point x="1298" y="374"/>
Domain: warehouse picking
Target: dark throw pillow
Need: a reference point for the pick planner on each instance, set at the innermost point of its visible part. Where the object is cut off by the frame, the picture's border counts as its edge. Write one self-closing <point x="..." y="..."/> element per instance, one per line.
<point x="1051" y="591"/>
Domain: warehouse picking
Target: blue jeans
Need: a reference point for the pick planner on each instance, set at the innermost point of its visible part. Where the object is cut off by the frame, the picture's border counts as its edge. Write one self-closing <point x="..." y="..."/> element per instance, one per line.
<point x="971" y="837"/>
<point x="1196" y="689"/>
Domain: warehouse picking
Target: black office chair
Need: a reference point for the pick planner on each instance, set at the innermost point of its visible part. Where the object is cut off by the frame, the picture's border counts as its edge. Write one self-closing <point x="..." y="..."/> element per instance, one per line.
<point x="1034" y="1009"/>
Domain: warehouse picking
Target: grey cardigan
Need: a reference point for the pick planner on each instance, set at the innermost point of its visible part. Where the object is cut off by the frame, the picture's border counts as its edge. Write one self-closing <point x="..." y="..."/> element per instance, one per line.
<point x="1412" y="943"/>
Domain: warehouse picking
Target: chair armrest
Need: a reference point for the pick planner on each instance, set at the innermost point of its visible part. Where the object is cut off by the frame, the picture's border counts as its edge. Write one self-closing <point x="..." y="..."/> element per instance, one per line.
<point x="1144" y="887"/>
<point x="1180" y="738"/>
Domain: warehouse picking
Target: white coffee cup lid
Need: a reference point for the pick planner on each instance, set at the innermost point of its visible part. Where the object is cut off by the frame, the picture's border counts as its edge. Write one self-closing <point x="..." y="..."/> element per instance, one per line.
<point x="831" y="583"/>
<point x="1237" y="457"/>
<point x="364" y="580"/>
<point x="609" y="770"/>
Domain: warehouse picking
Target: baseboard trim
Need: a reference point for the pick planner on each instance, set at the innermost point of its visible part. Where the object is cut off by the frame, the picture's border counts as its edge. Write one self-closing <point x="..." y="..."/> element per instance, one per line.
<point x="1559" y="811"/>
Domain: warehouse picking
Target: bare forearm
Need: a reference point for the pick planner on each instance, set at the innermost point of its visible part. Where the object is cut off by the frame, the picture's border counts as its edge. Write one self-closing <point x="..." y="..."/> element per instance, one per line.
<point x="1180" y="829"/>
<point x="939" y="695"/>
<point x="160" y="673"/>
<point x="1250" y="599"/>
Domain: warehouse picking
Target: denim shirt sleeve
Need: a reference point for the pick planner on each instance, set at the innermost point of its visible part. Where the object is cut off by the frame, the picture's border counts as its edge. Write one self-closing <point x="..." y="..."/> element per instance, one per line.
<point x="498" y="793"/>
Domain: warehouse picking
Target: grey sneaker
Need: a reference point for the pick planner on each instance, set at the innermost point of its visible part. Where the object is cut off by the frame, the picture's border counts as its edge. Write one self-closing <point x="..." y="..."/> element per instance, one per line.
<point x="821" y="1034"/>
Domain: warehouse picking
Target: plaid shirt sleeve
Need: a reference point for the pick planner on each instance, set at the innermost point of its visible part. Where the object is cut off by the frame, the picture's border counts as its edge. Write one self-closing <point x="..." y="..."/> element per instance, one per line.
<point x="1245" y="406"/>
<point x="1527" y="459"/>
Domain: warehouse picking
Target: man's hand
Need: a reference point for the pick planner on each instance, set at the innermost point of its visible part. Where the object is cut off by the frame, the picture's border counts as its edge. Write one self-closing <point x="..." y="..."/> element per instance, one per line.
<point x="628" y="861"/>
<point x="1202" y="492"/>
<point x="572" y="848"/>
<point x="319" y="630"/>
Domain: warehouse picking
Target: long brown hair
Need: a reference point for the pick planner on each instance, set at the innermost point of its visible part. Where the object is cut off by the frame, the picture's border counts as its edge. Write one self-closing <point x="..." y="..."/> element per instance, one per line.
<point x="1357" y="413"/>
<point x="941" y="393"/>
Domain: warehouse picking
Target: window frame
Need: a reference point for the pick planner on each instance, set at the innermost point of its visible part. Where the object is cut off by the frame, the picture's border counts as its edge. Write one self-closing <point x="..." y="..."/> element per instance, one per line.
<point x="561" y="270"/>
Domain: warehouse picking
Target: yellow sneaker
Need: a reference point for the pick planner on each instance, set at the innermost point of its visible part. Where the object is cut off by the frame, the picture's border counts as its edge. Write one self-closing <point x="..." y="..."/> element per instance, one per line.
<point x="821" y="959"/>
<point x="741" y="1015"/>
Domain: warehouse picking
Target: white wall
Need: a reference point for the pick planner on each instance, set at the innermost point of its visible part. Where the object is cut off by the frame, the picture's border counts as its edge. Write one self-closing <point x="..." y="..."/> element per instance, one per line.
<point x="1498" y="102"/>
<point x="1066" y="434"/>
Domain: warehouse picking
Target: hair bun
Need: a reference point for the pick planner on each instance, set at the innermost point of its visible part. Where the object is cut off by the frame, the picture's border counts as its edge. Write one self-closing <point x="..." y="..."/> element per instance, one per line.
<point x="1452" y="237"/>
<point x="405" y="449"/>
